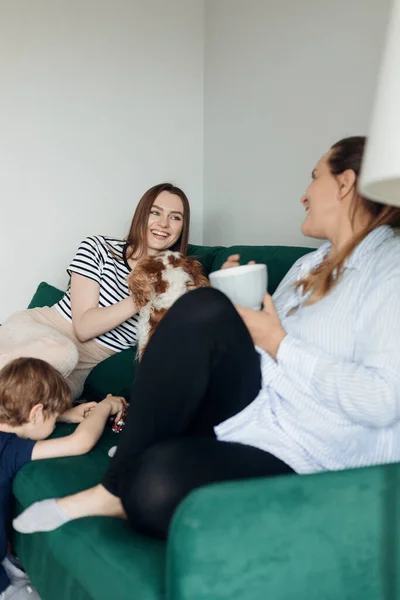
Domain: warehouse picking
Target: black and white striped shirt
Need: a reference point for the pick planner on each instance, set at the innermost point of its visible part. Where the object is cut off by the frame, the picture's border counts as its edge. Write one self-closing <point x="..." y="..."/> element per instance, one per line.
<point x="103" y="259"/>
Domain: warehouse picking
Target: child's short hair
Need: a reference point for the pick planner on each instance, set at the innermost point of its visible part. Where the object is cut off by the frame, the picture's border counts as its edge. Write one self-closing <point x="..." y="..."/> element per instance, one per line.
<point x="25" y="382"/>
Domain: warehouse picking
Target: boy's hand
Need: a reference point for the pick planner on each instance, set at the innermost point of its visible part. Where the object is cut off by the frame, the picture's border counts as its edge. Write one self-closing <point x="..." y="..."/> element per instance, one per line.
<point x="78" y="413"/>
<point x="93" y="416"/>
<point x="117" y="405"/>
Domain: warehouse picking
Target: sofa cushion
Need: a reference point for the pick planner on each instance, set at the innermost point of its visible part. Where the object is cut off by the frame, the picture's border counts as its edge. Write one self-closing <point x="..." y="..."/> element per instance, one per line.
<point x="45" y="295"/>
<point x="327" y="536"/>
<point x="278" y="259"/>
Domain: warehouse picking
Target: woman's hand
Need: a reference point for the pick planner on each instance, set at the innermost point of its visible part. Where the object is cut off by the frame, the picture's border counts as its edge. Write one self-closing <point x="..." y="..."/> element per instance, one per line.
<point x="234" y="261"/>
<point x="265" y="326"/>
<point x="78" y="413"/>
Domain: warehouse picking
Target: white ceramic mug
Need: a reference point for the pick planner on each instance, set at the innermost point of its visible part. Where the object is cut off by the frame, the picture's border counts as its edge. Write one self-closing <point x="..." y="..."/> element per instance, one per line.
<point x="245" y="285"/>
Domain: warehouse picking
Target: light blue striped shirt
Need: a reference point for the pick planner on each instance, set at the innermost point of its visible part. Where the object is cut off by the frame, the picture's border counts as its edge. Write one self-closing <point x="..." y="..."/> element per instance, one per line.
<point x="331" y="400"/>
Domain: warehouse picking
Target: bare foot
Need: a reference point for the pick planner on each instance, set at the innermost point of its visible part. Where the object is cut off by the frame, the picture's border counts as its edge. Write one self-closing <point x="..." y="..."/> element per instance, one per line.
<point x="96" y="501"/>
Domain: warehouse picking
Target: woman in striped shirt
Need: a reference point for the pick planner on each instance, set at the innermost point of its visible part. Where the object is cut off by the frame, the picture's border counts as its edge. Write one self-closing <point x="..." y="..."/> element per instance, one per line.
<point x="311" y="383"/>
<point x="97" y="316"/>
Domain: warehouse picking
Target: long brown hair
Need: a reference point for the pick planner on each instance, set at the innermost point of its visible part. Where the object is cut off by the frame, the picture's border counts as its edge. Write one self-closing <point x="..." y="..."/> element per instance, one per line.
<point x="136" y="238"/>
<point x="347" y="154"/>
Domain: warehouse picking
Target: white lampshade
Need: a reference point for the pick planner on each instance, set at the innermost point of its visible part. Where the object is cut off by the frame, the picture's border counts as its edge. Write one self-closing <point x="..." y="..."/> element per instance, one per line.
<point x="380" y="176"/>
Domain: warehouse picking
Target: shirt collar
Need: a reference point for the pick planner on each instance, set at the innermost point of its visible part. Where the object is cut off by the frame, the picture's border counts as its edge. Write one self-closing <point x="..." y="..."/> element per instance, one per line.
<point x="313" y="259"/>
<point x="369" y="244"/>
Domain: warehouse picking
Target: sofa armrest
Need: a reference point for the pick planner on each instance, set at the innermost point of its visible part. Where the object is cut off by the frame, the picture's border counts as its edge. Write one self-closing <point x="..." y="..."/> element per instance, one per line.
<point x="320" y="537"/>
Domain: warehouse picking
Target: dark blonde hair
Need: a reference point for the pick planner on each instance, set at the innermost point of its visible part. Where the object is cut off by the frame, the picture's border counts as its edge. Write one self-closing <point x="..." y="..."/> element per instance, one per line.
<point x="25" y="382"/>
<point x="347" y="154"/>
<point x="136" y="238"/>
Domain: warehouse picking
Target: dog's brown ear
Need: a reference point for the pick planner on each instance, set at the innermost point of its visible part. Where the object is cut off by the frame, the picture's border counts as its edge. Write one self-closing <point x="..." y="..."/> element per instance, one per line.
<point x="141" y="282"/>
<point x="195" y="270"/>
<point x="176" y="259"/>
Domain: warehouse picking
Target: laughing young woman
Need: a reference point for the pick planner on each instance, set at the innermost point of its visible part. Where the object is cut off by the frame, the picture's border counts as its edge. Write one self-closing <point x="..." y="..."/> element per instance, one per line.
<point x="97" y="316"/>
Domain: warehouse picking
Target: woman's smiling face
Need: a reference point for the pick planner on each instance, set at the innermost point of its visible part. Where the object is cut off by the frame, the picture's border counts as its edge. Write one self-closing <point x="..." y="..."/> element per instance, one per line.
<point x="165" y="222"/>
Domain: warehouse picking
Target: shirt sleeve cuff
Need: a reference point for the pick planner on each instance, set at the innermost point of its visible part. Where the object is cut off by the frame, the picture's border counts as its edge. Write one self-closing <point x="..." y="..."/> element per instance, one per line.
<point x="297" y="360"/>
<point x="85" y="272"/>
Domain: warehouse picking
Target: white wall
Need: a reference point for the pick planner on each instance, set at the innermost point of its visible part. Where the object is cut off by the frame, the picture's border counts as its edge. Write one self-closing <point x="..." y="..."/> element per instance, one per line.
<point x="284" y="79"/>
<point x="99" y="100"/>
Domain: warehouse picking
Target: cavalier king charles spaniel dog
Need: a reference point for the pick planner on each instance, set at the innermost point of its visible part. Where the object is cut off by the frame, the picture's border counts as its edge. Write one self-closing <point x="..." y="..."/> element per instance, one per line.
<point x="156" y="283"/>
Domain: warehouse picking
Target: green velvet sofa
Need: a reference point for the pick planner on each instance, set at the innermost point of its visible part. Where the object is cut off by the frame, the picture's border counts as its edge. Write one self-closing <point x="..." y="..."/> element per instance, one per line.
<point x="321" y="537"/>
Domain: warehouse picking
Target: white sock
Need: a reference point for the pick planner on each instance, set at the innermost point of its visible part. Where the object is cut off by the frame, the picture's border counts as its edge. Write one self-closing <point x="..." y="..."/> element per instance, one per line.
<point x="41" y="516"/>
<point x="14" y="572"/>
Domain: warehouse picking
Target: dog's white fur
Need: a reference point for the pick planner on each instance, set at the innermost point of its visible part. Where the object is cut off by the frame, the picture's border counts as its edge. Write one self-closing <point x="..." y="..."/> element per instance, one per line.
<point x="179" y="279"/>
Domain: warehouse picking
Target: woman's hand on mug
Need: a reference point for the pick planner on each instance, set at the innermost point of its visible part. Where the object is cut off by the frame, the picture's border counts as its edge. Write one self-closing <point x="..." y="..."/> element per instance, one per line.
<point x="234" y="261"/>
<point x="264" y="326"/>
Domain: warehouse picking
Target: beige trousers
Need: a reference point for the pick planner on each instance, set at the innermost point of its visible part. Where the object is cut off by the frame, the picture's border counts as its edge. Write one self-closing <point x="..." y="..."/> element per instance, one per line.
<point x="44" y="333"/>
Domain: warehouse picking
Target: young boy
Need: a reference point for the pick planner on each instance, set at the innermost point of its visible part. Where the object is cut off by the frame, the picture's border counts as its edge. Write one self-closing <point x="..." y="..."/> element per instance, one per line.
<point x="33" y="396"/>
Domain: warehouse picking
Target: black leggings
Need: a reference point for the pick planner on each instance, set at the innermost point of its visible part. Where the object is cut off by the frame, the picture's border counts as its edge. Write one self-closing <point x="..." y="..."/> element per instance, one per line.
<point x="199" y="369"/>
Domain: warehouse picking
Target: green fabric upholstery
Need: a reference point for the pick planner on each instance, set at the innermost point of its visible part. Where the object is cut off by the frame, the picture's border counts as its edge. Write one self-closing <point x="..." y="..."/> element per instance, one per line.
<point x="319" y="537"/>
<point x="45" y="295"/>
<point x="115" y="375"/>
